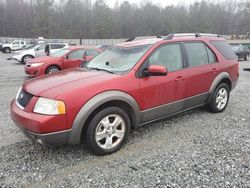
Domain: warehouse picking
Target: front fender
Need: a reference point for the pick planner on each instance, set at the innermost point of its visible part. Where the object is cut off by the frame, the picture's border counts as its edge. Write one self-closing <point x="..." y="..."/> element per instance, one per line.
<point x="94" y="103"/>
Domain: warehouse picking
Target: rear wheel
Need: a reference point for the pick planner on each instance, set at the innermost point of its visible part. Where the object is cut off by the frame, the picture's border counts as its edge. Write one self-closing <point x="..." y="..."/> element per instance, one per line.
<point x="220" y="99"/>
<point x="52" y="69"/>
<point x="108" y="131"/>
<point x="26" y="58"/>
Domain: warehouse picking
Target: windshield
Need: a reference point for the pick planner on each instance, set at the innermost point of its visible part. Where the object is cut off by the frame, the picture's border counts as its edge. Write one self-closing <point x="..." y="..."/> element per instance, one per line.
<point x="118" y="59"/>
<point x="60" y="53"/>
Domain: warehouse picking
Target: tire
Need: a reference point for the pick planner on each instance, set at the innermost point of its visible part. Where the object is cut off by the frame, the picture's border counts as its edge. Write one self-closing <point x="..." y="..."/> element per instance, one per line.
<point x="26" y="58"/>
<point x="107" y="142"/>
<point x="219" y="99"/>
<point x="52" y="69"/>
<point x="6" y="50"/>
<point x="246" y="58"/>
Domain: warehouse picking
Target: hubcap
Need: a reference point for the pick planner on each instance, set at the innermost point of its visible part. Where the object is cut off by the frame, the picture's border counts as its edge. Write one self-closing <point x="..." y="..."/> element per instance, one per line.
<point x="221" y="98"/>
<point x="53" y="70"/>
<point x="26" y="59"/>
<point x="110" y="131"/>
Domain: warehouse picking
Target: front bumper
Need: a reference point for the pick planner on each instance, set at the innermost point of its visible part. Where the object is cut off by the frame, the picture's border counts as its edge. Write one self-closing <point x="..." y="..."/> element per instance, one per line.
<point x="17" y="57"/>
<point x="52" y="139"/>
<point x="33" y="71"/>
<point x="47" y="130"/>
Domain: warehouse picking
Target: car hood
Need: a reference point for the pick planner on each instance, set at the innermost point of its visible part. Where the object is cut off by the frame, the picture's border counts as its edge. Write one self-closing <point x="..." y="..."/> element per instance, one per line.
<point x="43" y="59"/>
<point x="55" y="84"/>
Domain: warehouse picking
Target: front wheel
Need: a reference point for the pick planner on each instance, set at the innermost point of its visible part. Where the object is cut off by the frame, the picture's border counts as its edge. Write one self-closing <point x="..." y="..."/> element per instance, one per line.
<point x="26" y="58"/>
<point x="107" y="131"/>
<point x="52" y="69"/>
<point x="220" y="99"/>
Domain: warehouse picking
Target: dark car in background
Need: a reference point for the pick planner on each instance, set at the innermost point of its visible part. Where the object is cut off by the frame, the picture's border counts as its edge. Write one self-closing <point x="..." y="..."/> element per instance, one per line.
<point x="242" y="52"/>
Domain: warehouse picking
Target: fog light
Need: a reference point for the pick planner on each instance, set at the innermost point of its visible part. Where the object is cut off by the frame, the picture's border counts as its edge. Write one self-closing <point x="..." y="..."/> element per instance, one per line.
<point x="39" y="141"/>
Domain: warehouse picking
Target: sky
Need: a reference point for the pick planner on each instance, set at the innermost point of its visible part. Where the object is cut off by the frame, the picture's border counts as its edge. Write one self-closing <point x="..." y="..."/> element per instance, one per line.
<point x="162" y="3"/>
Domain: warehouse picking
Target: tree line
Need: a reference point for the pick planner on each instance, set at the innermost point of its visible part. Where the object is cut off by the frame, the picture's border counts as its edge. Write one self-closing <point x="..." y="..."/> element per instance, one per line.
<point x="86" y="19"/>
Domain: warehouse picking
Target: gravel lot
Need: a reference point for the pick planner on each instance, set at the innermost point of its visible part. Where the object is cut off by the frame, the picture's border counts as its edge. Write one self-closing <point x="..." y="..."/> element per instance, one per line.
<point x="194" y="149"/>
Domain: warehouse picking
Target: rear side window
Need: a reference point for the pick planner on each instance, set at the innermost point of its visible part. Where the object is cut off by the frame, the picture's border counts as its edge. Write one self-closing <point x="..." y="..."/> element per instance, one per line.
<point x="197" y="54"/>
<point x="57" y="46"/>
<point x="224" y="48"/>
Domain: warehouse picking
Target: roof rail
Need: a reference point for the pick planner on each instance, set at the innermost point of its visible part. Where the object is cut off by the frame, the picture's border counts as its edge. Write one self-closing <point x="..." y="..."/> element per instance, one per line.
<point x="172" y="35"/>
<point x="141" y="37"/>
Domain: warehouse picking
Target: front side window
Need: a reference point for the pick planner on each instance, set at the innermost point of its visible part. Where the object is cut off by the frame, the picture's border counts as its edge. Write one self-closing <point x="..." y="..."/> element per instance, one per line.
<point x="118" y="59"/>
<point x="60" y="53"/>
<point x="76" y="54"/>
<point x="91" y="52"/>
<point x="41" y="47"/>
<point x="196" y="53"/>
<point x="169" y="56"/>
<point x="211" y="56"/>
<point x="15" y="42"/>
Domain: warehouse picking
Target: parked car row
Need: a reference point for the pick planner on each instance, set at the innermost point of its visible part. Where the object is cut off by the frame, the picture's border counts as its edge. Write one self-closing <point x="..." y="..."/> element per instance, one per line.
<point x="126" y="86"/>
<point x="37" y="51"/>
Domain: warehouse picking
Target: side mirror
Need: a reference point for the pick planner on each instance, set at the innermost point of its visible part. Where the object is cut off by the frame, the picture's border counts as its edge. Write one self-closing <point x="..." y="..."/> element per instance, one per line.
<point x="156" y="70"/>
<point x="66" y="57"/>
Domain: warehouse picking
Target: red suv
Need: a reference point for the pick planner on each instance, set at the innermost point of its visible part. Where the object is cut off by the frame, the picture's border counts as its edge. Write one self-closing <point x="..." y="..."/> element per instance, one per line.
<point x="67" y="58"/>
<point x="128" y="85"/>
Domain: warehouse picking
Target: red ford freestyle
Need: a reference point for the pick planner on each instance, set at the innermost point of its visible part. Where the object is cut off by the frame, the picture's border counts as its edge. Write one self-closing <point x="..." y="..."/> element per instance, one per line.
<point x="67" y="58"/>
<point x="126" y="86"/>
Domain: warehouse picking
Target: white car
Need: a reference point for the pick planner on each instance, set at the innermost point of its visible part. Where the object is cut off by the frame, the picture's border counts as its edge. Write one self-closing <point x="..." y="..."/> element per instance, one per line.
<point x="39" y="50"/>
<point x="15" y="45"/>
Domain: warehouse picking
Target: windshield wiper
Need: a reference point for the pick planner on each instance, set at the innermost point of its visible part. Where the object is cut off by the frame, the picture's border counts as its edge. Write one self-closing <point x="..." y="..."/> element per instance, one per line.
<point x="100" y="69"/>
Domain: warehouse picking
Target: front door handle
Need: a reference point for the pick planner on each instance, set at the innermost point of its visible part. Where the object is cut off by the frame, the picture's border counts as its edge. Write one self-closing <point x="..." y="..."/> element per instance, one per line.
<point x="214" y="70"/>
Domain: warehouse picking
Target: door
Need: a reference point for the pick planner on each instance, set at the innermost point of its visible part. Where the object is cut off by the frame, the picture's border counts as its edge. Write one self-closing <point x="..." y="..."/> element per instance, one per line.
<point x="162" y="95"/>
<point x="203" y="69"/>
<point x="73" y="59"/>
<point x="40" y="50"/>
<point x="16" y="45"/>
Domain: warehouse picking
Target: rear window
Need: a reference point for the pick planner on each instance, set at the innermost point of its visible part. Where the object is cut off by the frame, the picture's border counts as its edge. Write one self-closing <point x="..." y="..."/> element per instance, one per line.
<point x="225" y="49"/>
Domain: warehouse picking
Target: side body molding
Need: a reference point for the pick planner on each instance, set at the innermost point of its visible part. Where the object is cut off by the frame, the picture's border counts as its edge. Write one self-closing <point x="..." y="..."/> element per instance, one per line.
<point x="216" y="81"/>
<point x="94" y="103"/>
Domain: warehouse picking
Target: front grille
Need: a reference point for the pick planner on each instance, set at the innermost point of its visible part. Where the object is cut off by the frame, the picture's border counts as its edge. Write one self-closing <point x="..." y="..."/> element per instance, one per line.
<point x="24" y="98"/>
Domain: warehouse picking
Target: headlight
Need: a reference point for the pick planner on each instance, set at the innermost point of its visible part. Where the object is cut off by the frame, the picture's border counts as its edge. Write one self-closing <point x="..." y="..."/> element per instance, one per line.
<point x="35" y="64"/>
<point x="49" y="107"/>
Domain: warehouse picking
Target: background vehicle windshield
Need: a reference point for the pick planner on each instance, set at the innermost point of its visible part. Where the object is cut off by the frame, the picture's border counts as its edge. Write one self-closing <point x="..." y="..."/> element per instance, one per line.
<point x="235" y="48"/>
<point x="60" y="53"/>
<point x="118" y="59"/>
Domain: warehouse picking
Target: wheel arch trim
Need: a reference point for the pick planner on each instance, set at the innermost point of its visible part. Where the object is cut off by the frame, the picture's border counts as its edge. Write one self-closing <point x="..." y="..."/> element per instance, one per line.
<point x="216" y="81"/>
<point x="95" y="102"/>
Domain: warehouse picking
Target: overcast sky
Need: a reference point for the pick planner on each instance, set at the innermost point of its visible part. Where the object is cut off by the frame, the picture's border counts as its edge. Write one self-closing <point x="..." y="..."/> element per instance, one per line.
<point x="163" y="3"/>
